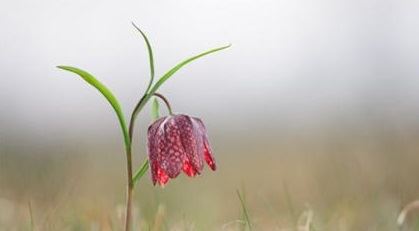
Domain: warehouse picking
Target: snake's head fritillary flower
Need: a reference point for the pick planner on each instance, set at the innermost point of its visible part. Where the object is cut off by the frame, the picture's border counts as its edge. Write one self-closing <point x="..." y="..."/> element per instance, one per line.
<point x="178" y="143"/>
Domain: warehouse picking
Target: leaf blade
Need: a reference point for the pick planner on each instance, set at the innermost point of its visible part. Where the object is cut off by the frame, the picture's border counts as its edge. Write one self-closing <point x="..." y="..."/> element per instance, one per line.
<point x="150" y="56"/>
<point x="141" y="171"/>
<point x="172" y="71"/>
<point x="90" y="79"/>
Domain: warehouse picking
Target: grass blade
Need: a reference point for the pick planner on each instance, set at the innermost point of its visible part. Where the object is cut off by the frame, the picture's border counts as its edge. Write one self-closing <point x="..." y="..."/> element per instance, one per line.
<point x="32" y="222"/>
<point x="246" y="214"/>
<point x="290" y="204"/>
<point x="105" y="92"/>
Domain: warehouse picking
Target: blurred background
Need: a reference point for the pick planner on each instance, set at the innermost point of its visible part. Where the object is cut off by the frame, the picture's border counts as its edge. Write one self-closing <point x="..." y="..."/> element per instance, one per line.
<point x="313" y="112"/>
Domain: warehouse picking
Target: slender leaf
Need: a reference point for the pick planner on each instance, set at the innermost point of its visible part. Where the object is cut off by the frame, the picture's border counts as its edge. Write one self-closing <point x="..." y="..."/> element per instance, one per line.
<point x="168" y="74"/>
<point x="180" y="65"/>
<point x="150" y="56"/>
<point x="141" y="171"/>
<point x="105" y="92"/>
<point x="155" y="109"/>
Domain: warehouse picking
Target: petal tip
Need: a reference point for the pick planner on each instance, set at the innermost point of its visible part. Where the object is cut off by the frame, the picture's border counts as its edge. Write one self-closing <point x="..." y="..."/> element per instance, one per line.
<point x="161" y="177"/>
<point x="189" y="170"/>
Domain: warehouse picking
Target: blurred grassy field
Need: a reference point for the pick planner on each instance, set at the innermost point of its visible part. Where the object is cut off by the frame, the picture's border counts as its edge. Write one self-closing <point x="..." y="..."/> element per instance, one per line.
<point x="342" y="180"/>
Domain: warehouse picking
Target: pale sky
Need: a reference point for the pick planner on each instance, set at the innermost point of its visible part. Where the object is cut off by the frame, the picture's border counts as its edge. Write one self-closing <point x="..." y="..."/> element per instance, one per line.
<point x="292" y="63"/>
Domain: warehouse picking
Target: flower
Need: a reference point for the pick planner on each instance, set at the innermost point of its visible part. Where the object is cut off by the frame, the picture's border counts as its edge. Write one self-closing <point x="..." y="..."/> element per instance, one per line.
<point x="178" y="143"/>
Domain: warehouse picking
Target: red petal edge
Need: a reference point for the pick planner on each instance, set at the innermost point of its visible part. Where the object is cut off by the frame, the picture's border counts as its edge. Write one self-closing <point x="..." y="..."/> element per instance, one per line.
<point x="209" y="159"/>
<point x="189" y="169"/>
<point x="162" y="177"/>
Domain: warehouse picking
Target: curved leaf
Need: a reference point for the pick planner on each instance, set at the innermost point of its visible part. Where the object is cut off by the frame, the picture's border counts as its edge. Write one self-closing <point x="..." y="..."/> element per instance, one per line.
<point x="150" y="56"/>
<point x="105" y="92"/>
<point x="180" y="65"/>
<point x="168" y="74"/>
<point x="141" y="171"/>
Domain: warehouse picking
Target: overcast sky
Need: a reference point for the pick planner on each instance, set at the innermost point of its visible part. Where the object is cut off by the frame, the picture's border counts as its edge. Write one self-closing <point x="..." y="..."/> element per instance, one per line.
<point x="293" y="62"/>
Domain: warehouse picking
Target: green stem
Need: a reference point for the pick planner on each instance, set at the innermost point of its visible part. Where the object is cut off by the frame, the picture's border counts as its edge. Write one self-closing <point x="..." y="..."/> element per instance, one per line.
<point x="134" y="114"/>
<point x="130" y="179"/>
<point x="130" y="189"/>
<point x="130" y="134"/>
<point x="169" y="108"/>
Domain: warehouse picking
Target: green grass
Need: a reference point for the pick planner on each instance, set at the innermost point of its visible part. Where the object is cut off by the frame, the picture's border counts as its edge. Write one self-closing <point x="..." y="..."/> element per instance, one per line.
<point x="364" y="189"/>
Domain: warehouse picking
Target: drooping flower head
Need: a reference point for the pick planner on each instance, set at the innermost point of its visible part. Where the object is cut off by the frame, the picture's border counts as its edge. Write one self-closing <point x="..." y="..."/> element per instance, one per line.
<point x="178" y="143"/>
